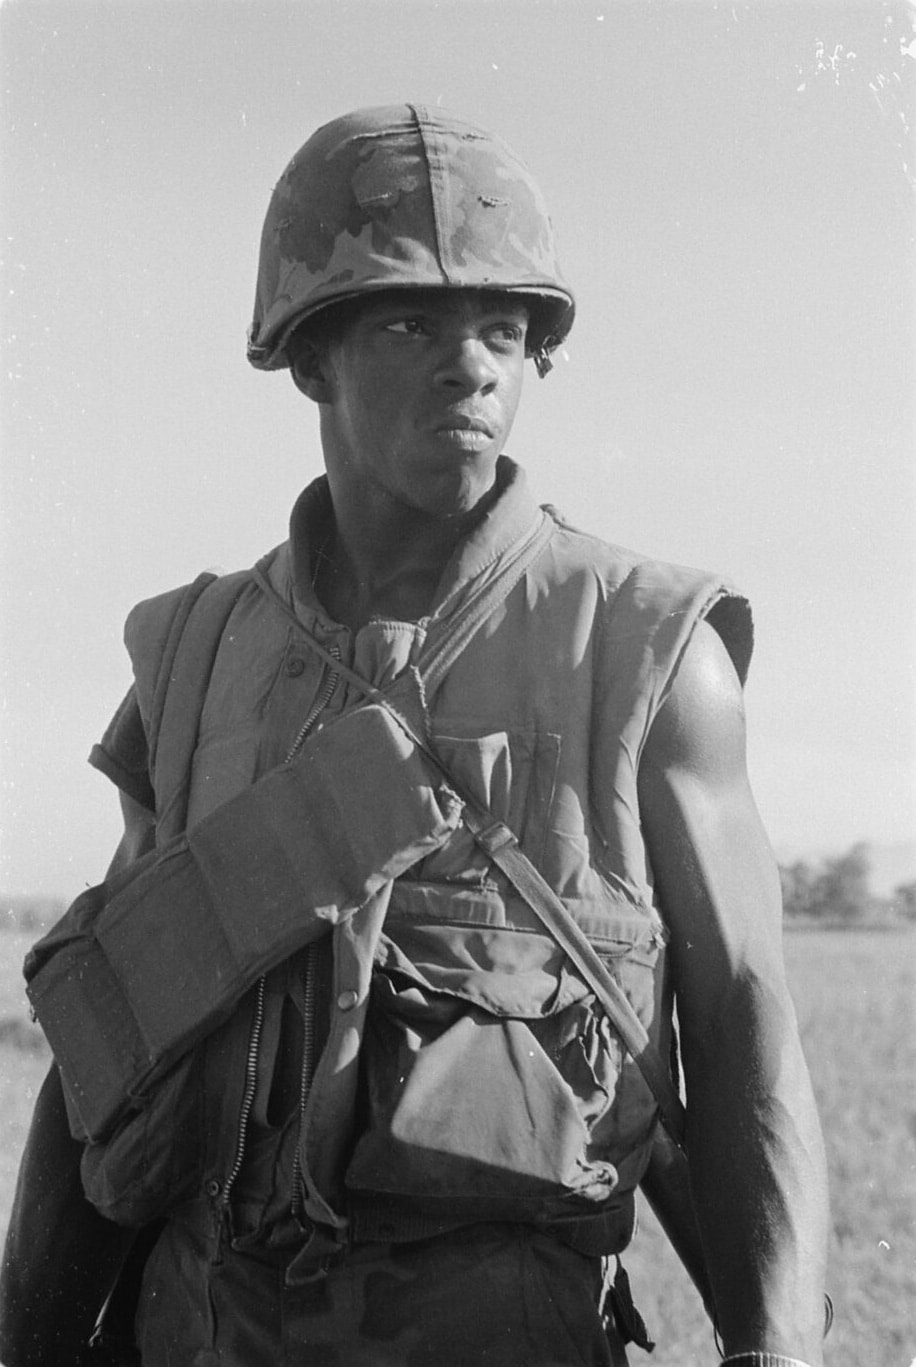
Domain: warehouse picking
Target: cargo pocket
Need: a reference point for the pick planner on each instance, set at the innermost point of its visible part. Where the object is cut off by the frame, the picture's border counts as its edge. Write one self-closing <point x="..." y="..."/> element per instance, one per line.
<point x="490" y="1074"/>
<point x="465" y="1106"/>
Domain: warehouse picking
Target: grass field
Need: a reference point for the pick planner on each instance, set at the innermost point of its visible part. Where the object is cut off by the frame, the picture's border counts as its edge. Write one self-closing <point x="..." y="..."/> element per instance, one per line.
<point x="854" y="991"/>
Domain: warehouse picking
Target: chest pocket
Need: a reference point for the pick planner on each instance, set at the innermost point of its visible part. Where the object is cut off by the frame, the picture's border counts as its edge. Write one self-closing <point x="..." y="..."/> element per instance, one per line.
<point x="454" y="915"/>
<point x="514" y="775"/>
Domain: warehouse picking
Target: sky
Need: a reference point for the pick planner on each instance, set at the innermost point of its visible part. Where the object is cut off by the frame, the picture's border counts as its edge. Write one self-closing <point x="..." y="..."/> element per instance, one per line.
<point x="733" y="191"/>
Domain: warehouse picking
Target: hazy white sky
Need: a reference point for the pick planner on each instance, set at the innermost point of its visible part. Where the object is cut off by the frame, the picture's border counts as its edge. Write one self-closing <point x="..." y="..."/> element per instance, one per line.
<point x="733" y="189"/>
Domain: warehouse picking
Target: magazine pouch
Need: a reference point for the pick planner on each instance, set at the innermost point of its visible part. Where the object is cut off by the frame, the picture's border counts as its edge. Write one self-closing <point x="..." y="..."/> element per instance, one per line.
<point x="140" y="970"/>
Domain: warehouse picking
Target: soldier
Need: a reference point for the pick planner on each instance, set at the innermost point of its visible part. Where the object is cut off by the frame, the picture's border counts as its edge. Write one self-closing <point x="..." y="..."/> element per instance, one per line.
<point x="388" y="796"/>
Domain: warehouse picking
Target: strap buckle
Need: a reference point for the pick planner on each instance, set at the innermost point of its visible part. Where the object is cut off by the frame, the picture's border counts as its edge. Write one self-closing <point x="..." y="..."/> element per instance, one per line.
<point x="497" y="836"/>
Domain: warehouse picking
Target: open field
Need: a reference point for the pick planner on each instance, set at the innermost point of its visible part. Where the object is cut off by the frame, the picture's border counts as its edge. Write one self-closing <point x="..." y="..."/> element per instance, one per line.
<point x="23" y="1062"/>
<point x="854" y="992"/>
<point x="855" y="996"/>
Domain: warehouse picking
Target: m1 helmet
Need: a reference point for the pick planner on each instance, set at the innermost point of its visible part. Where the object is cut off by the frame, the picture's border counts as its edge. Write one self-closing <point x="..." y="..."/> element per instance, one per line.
<point x="397" y="197"/>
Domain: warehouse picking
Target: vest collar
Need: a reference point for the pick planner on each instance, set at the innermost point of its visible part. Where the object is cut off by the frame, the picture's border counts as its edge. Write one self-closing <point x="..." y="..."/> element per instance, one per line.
<point x="509" y="517"/>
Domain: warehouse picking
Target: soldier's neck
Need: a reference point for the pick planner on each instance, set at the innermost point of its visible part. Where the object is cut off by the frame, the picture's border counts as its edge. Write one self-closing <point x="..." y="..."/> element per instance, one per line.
<point x="386" y="563"/>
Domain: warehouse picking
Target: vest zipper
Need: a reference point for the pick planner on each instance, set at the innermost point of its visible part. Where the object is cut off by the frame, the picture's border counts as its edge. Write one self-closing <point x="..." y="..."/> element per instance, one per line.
<point x="316" y="709"/>
<point x="310" y="989"/>
<point x="251" y="1082"/>
<point x="257" y="1024"/>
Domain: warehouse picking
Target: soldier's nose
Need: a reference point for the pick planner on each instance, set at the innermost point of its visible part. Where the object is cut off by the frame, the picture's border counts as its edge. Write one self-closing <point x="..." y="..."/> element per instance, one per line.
<point x="468" y="366"/>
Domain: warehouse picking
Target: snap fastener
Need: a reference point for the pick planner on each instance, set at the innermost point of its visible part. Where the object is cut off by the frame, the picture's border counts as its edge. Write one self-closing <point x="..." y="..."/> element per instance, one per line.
<point x="213" y="1187"/>
<point x="347" y="1000"/>
<point x="295" y="666"/>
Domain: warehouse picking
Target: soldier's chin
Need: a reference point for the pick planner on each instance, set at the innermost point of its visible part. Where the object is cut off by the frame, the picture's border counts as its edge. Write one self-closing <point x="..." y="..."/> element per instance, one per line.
<point x="458" y="490"/>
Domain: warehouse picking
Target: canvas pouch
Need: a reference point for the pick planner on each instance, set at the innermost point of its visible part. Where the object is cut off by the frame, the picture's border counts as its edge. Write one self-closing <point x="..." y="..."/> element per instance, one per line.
<point x="501" y="1094"/>
<point x="137" y="972"/>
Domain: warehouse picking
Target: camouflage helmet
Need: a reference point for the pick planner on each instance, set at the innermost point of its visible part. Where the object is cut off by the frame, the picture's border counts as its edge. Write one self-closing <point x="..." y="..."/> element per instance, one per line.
<point x="400" y="197"/>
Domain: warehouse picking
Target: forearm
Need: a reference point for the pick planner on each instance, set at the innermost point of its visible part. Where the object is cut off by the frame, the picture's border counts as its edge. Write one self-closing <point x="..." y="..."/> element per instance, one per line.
<point x="759" y="1179"/>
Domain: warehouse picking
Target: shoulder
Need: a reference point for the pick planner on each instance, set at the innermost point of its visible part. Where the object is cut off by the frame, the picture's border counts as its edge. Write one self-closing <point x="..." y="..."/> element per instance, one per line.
<point x="653" y="606"/>
<point x="699" y="730"/>
<point x="153" y="619"/>
<point x="193" y="613"/>
<point x="577" y="548"/>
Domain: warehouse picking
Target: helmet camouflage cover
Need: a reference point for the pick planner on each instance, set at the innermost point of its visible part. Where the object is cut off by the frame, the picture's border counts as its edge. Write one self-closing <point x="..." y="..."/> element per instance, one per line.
<point x="404" y="197"/>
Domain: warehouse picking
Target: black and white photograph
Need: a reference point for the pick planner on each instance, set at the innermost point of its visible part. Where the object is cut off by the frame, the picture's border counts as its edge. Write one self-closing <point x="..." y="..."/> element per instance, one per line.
<point x="458" y="706"/>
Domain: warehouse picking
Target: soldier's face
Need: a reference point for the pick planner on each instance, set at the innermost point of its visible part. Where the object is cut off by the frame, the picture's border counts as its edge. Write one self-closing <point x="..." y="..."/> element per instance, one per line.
<point x="422" y="390"/>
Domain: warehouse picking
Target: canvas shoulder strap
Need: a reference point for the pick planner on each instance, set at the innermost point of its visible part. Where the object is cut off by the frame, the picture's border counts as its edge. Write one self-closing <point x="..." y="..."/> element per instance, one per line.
<point x="182" y="679"/>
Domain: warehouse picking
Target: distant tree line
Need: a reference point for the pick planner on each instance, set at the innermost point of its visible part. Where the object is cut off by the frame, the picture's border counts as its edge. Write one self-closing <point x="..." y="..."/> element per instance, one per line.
<point x="839" y="890"/>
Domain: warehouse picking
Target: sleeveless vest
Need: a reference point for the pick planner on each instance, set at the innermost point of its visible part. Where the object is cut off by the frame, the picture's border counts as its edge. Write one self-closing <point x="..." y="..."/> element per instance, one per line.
<point x="482" y="1083"/>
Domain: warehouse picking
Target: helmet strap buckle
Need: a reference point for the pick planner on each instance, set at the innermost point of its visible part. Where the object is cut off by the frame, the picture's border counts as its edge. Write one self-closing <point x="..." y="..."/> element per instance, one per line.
<point x="542" y="362"/>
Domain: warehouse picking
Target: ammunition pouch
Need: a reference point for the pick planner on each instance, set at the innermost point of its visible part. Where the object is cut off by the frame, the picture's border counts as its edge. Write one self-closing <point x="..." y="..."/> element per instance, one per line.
<point x="140" y="969"/>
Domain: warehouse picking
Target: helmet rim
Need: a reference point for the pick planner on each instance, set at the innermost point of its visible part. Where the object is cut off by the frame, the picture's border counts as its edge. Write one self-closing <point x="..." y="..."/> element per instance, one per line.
<point x="555" y="311"/>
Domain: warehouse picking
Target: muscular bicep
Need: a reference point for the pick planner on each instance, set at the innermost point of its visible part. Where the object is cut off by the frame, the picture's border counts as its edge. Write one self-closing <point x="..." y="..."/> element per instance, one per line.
<point x="713" y="868"/>
<point x="139" y="836"/>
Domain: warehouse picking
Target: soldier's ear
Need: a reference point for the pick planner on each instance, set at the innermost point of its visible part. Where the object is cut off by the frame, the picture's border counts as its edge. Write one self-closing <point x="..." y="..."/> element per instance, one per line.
<point x="311" y="371"/>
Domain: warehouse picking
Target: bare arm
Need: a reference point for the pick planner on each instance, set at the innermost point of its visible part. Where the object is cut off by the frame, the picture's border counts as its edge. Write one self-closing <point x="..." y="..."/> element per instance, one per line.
<point x="756" y="1156"/>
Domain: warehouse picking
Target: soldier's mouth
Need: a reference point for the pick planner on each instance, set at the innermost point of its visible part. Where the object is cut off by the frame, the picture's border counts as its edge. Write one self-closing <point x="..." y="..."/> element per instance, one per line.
<point x="462" y="422"/>
<point x="465" y="438"/>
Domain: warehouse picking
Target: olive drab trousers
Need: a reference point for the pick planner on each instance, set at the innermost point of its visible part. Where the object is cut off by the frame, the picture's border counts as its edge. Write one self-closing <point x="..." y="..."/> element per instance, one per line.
<point x="495" y="1295"/>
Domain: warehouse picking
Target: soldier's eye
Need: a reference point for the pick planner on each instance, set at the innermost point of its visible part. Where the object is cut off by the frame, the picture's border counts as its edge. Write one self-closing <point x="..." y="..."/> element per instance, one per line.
<point x="508" y="332"/>
<point x="409" y="327"/>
